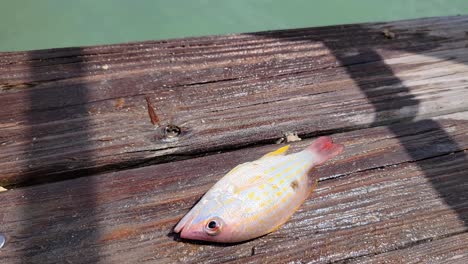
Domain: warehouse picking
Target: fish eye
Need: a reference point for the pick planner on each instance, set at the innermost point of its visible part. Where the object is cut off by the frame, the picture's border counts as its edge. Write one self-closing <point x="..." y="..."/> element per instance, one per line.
<point x="213" y="226"/>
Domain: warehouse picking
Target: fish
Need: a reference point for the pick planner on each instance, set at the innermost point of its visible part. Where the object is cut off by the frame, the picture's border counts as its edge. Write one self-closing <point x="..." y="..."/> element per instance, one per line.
<point x="256" y="198"/>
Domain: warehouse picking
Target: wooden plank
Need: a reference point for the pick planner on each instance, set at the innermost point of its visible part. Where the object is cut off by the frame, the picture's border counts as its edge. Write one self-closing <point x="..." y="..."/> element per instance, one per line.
<point x="80" y="111"/>
<point x="453" y="249"/>
<point x="373" y="199"/>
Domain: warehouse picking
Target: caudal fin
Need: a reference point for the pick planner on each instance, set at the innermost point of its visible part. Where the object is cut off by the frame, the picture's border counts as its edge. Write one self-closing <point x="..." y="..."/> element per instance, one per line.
<point x="323" y="149"/>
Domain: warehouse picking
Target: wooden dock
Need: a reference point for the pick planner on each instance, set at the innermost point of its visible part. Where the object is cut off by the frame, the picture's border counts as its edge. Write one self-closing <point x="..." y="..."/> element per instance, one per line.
<point x="103" y="149"/>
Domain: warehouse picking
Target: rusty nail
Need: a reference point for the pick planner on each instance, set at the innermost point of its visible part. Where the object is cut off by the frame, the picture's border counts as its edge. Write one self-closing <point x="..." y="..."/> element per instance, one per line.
<point x="171" y="131"/>
<point x="152" y="114"/>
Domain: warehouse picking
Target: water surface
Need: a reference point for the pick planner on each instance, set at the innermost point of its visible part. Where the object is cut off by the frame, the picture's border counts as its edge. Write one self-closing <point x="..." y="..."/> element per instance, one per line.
<point x="39" y="24"/>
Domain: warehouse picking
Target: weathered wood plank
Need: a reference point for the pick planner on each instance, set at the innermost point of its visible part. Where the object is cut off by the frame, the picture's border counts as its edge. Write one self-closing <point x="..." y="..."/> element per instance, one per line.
<point x="383" y="201"/>
<point x="79" y="111"/>
<point x="453" y="250"/>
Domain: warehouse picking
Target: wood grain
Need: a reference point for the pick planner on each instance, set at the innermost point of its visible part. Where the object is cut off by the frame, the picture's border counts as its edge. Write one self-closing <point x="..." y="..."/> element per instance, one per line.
<point x="375" y="199"/>
<point x="74" y="112"/>
<point x="447" y="250"/>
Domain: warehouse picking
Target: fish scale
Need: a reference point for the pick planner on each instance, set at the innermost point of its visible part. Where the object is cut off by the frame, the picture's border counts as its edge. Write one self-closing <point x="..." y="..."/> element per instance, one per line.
<point x="267" y="210"/>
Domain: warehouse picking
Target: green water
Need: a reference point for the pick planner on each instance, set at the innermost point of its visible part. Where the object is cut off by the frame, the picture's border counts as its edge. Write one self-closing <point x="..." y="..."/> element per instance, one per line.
<point x="39" y="24"/>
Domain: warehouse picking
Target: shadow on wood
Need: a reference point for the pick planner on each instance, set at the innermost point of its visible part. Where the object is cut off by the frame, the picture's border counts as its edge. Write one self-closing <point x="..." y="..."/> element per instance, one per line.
<point x="63" y="237"/>
<point x="362" y="64"/>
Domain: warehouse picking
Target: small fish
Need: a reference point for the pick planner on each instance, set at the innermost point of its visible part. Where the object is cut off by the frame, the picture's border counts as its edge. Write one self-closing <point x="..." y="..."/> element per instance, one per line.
<point x="256" y="198"/>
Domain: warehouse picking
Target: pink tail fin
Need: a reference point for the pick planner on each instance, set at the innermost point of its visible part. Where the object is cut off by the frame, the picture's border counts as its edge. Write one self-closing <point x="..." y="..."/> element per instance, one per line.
<point x="324" y="149"/>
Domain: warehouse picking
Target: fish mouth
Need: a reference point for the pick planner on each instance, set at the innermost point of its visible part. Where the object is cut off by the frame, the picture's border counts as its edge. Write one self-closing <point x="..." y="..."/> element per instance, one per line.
<point x="184" y="232"/>
<point x="180" y="226"/>
<point x="185" y="222"/>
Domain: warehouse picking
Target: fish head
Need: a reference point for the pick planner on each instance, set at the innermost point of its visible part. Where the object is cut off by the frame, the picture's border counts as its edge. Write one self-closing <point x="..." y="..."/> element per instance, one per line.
<point x="208" y="221"/>
<point x="212" y="228"/>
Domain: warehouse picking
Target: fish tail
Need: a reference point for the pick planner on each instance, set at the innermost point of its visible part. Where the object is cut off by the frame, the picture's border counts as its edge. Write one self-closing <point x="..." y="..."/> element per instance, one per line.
<point x="323" y="149"/>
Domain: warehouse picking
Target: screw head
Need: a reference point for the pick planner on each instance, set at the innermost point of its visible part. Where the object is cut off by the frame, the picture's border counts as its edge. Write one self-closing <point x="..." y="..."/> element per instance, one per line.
<point x="172" y="131"/>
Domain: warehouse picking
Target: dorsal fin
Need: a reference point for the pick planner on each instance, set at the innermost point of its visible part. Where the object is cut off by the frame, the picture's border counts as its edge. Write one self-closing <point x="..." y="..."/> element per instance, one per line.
<point x="278" y="152"/>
